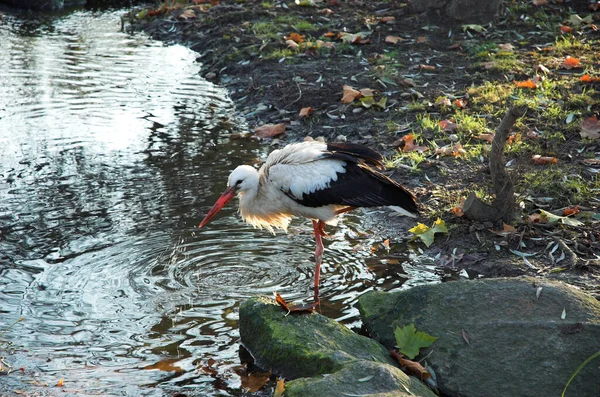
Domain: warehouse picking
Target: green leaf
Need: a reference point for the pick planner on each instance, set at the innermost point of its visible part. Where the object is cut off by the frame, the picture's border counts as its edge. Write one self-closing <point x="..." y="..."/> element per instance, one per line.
<point x="427" y="234"/>
<point x="477" y="28"/>
<point x="410" y="341"/>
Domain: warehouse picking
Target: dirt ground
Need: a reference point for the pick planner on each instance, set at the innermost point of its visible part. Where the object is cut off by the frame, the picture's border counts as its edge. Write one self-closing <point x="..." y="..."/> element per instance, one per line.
<point x="277" y="58"/>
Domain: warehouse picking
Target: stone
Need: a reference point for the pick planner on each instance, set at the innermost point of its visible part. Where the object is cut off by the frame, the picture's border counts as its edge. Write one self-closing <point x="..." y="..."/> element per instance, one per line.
<point x="323" y="356"/>
<point x="496" y="337"/>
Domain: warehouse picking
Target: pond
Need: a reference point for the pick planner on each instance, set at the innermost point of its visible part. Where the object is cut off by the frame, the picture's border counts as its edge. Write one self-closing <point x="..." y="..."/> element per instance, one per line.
<point x="113" y="148"/>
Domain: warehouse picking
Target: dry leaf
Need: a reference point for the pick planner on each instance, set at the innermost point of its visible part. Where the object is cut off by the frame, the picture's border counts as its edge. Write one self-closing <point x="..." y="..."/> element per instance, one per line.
<point x="571" y="62"/>
<point x="326" y="11"/>
<point x="308" y="307"/>
<point x="187" y="14"/>
<point x="565" y="29"/>
<point x="387" y="19"/>
<point x="466" y="337"/>
<point x="393" y="39"/>
<point x="350" y="94"/>
<point x="460" y="103"/>
<point x="409" y="145"/>
<point x="571" y="211"/>
<point x="506" y="47"/>
<point x="60" y="383"/>
<point x="485" y="137"/>
<point x="506" y="230"/>
<point x="451" y="150"/>
<point x="412" y="367"/>
<point x="280" y="388"/>
<point x="330" y="34"/>
<point x="592" y="161"/>
<point x="542" y="68"/>
<point x="590" y="128"/>
<point x="270" y="130"/>
<point x="426" y="67"/>
<point x="166" y="365"/>
<point x="447" y="125"/>
<point x="254" y="381"/>
<point x="421" y="39"/>
<point x="305" y="112"/>
<point x="526" y="84"/>
<point x="298" y="38"/>
<point x="586" y="78"/>
<point x="543" y="160"/>
<point x="367" y="92"/>
<point x="292" y="44"/>
<point x="539" y="2"/>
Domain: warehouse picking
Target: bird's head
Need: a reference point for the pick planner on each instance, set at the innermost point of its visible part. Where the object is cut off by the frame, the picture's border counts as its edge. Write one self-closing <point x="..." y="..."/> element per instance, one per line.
<point x="241" y="179"/>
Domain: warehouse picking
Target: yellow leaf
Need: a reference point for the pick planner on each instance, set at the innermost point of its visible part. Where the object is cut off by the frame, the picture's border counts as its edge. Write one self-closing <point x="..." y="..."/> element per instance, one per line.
<point x="280" y="388"/>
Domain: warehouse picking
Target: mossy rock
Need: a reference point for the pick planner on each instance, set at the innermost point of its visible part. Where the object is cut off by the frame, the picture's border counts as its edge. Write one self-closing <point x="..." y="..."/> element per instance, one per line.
<point x="359" y="378"/>
<point x="301" y="345"/>
<point x="496" y="336"/>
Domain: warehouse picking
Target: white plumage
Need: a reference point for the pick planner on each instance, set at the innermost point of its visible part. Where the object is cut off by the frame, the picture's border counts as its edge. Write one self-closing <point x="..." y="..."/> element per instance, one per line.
<point x="315" y="180"/>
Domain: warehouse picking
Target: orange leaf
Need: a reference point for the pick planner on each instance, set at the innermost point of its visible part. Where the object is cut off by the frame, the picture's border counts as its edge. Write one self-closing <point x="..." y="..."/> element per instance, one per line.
<point x="329" y="34"/>
<point x="387" y="19"/>
<point x="60" y="382"/>
<point x="350" y="94"/>
<point x="309" y="307"/>
<point x="447" y="125"/>
<point x="325" y="11"/>
<point x="566" y="29"/>
<point x="536" y="218"/>
<point x="421" y="39"/>
<point x="305" y="112"/>
<point x="458" y="211"/>
<point x="571" y="62"/>
<point x="460" y="103"/>
<point x="409" y="145"/>
<point x="451" y="150"/>
<point x="586" y="78"/>
<point x="412" y="367"/>
<point x="542" y="160"/>
<point x="367" y="92"/>
<point x="298" y="38"/>
<point x="592" y="161"/>
<point x="280" y="388"/>
<point x="426" y="67"/>
<point x="539" y="2"/>
<point x="590" y="128"/>
<point x="270" y="130"/>
<point x="167" y="365"/>
<point x="526" y="84"/>
<point x="506" y="230"/>
<point x="571" y="211"/>
<point x="513" y="138"/>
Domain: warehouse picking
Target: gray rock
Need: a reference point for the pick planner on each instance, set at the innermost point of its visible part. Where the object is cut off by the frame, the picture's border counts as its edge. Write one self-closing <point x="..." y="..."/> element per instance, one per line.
<point x="518" y="345"/>
<point x="359" y="378"/>
<point x="304" y="345"/>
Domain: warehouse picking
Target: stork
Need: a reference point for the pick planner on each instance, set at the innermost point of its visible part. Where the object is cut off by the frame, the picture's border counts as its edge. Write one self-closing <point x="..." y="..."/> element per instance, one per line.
<point x="315" y="180"/>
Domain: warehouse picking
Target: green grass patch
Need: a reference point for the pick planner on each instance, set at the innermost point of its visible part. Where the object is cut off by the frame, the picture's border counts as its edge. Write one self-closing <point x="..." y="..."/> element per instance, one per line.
<point x="563" y="184"/>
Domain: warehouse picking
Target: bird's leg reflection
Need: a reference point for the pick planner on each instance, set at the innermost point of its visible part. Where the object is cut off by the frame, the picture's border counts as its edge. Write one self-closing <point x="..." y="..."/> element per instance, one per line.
<point x="318" y="230"/>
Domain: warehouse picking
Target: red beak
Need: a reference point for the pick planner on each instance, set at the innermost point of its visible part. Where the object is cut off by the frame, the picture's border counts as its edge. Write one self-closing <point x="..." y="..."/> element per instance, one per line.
<point x="224" y="199"/>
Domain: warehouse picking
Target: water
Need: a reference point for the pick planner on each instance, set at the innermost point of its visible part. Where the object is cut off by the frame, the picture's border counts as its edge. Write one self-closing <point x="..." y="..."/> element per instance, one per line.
<point x="112" y="149"/>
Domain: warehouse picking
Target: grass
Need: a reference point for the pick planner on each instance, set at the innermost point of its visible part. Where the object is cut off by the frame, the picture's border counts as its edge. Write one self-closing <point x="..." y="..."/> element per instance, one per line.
<point x="562" y="183"/>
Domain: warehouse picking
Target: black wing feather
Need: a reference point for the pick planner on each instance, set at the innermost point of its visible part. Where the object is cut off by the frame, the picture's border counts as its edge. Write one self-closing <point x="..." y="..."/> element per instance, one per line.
<point x="361" y="186"/>
<point x="354" y="153"/>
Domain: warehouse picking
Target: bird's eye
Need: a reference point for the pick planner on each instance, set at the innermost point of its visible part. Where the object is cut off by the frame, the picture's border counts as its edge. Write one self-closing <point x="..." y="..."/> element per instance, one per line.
<point x="238" y="183"/>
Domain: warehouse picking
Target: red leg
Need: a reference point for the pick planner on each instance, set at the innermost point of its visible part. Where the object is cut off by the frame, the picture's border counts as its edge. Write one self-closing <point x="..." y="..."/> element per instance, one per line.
<point x="344" y="210"/>
<point x="318" y="230"/>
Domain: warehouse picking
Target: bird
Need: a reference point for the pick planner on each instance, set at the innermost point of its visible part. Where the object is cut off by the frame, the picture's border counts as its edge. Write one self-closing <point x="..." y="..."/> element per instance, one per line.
<point x="314" y="180"/>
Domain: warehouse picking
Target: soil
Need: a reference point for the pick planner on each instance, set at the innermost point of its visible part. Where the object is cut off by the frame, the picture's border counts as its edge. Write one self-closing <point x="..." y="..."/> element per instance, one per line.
<point x="241" y="46"/>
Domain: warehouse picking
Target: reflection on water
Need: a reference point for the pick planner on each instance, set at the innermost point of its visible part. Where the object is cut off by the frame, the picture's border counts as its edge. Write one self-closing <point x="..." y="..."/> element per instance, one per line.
<point x="112" y="150"/>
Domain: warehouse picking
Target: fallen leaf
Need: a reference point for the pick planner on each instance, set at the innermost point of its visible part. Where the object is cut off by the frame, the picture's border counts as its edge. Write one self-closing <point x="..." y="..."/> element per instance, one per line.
<point x="393" y="39"/>
<point x="451" y="150"/>
<point x="443" y="101"/>
<point x="592" y="161"/>
<point x="455" y="46"/>
<point x="566" y="29"/>
<point x="326" y="11"/>
<point x="280" y="388"/>
<point x="60" y="383"/>
<point x="571" y="210"/>
<point x="387" y="19"/>
<point x="466" y="337"/>
<point x="350" y="94"/>
<point x="542" y="68"/>
<point x="308" y="307"/>
<point x="506" y="230"/>
<point x="586" y="78"/>
<point x="412" y="367"/>
<point x="447" y="125"/>
<point x="296" y="37"/>
<point x="410" y="341"/>
<point x="590" y="128"/>
<point x="187" y="14"/>
<point x="330" y="34"/>
<point x="539" y="2"/>
<point x="506" y="47"/>
<point x="421" y="39"/>
<point x="367" y="91"/>
<point x="254" y="381"/>
<point x="409" y="145"/>
<point x="476" y="28"/>
<point x="270" y="130"/>
<point x="426" y="67"/>
<point x="485" y="137"/>
<point x="305" y="112"/>
<point x="460" y="103"/>
<point x="427" y="234"/>
<point x="292" y="44"/>
<point x="526" y="84"/>
<point x="543" y="160"/>
<point x="571" y="62"/>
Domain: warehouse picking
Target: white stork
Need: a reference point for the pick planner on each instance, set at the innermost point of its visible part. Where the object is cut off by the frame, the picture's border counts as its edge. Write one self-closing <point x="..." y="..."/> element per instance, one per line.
<point x="315" y="180"/>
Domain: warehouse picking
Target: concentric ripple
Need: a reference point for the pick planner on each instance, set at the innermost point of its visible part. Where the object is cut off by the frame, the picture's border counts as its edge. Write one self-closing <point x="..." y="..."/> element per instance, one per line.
<point x="112" y="151"/>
